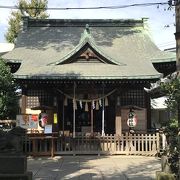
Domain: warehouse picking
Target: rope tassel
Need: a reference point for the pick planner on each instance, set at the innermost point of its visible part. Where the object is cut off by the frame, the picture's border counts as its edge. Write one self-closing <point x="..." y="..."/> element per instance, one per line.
<point x="65" y="101"/>
<point x="80" y="104"/>
<point x="93" y="105"/>
<point x="106" y="101"/>
<point x="97" y="105"/>
<point x="100" y="102"/>
<point x="86" y="107"/>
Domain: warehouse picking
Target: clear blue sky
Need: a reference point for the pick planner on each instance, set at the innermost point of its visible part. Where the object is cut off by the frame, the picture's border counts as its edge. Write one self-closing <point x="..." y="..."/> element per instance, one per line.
<point x="158" y="17"/>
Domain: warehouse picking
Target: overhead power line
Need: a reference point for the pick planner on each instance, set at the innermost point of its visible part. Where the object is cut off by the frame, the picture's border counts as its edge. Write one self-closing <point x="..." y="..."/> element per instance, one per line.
<point x="98" y="7"/>
<point x="166" y="43"/>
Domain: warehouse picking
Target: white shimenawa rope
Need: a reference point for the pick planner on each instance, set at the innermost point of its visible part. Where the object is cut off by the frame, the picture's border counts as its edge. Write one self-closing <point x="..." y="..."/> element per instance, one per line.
<point x="87" y="100"/>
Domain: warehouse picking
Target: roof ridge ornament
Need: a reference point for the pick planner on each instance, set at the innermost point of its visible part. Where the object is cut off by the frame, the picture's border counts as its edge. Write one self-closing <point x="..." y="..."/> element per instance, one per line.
<point x="87" y="28"/>
<point x="86" y="35"/>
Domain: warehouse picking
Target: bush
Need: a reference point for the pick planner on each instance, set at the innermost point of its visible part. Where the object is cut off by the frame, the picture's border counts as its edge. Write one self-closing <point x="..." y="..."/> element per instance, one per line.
<point x="164" y="176"/>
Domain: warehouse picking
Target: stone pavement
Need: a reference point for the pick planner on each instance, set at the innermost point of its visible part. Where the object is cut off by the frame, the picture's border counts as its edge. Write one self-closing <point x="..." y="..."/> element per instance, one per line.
<point x="94" y="167"/>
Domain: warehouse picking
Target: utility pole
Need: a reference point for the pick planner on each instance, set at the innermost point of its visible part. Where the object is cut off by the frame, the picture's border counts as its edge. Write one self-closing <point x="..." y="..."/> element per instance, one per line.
<point x="177" y="33"/>
<point x="177" y="36"/>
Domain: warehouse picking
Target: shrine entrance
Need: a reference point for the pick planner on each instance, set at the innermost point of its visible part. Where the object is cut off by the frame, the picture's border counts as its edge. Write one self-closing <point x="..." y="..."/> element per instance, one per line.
<point x="86" y="121"/>
<point x="84" y="114"/>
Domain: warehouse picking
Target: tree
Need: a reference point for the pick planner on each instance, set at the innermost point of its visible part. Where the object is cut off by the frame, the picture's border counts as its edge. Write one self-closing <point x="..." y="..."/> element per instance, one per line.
<point x="14" y="26"/>
<point x="8" y="98"/>
<point x="172" y="90"/>
<point x="33" y="8"/>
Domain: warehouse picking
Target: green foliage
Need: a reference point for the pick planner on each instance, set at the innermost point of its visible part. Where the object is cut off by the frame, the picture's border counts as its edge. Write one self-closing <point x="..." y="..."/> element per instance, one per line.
<point x="172" y="90"/>
<point x="164" y="176"/>
<point x="14" y="26"/>
<point x="8" y="98"/>
<point x="33" y="8"/>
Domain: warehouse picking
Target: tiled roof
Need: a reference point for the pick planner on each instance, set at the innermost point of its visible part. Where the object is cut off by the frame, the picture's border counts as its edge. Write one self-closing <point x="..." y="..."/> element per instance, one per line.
<point x="126" y="45"/>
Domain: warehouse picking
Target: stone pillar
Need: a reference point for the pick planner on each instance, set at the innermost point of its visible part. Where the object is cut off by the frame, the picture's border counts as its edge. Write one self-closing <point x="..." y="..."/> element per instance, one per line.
<point x="14" y="167"/>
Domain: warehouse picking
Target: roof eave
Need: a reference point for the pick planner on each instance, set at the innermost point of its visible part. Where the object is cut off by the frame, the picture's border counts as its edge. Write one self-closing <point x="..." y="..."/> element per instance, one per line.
<point x="46" y="77"/>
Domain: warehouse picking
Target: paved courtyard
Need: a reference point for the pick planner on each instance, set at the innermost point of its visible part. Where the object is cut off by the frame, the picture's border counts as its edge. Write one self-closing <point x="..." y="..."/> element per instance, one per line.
<point x="94" y="167"/>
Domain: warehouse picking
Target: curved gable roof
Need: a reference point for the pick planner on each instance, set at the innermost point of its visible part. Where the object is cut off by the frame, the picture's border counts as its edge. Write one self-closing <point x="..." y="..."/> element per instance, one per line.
<point x="87" y="41"/>
<point x="124" y="45"/>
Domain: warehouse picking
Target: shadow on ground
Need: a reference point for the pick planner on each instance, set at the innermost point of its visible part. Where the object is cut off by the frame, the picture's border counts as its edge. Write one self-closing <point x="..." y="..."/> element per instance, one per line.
<point x="94" y="167"/>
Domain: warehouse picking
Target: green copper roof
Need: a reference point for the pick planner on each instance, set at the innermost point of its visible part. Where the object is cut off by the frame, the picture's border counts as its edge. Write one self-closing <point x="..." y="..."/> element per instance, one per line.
<point x="86" y="38"/>
<point x="91" y="71"/>
<point x="44" y="47"/>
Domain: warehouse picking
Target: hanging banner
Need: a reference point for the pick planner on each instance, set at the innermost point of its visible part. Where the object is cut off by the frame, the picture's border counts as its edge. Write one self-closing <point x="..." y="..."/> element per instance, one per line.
<point x="55" y="118"/>
<point x="27" y="121"/>
<point x="34" y="117"/>
<point x="33" y="121"/>
<point x="132" y="119"/>
<point x="22" y="120"/>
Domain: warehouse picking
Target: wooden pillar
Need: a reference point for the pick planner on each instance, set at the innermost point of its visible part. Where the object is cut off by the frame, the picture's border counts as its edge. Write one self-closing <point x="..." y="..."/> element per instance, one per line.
<point x="74" y="110"/>
<point x="118" y="123"/>
<point x="23" y="102"/>
<point x="23" y="106"/>
<point x="103" y="112"/>
<point x="92" y="119"/>
<point x="148" y="112"/>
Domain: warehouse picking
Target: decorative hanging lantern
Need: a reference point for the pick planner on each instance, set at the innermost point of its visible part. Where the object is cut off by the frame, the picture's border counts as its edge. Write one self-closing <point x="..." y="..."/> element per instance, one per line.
<point x="132" y="119"/>
<point x="43" y="119"/>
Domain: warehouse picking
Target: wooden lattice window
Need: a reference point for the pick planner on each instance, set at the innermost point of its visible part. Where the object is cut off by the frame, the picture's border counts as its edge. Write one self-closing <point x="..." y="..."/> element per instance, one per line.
<point x="133" y="97"/>
<point x="38" y="97"/>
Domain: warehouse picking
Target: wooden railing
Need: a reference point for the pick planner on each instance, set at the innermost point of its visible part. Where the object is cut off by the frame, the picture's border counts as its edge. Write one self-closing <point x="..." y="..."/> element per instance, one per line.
<point x="138" y="144"/>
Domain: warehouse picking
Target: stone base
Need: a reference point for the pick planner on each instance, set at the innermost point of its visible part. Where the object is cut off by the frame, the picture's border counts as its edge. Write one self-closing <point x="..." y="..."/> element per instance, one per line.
<point x="13" y="164"/>
<point x="25" y="176"/>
